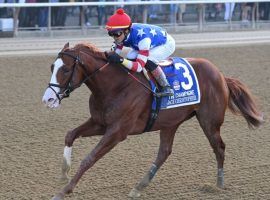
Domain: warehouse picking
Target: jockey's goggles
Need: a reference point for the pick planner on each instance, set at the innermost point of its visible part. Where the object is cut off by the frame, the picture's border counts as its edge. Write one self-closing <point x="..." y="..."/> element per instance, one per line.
<point x="115" y="34"/>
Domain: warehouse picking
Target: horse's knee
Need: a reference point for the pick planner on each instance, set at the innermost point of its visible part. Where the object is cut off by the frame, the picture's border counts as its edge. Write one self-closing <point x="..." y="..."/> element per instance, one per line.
<point x="70" y="137"/>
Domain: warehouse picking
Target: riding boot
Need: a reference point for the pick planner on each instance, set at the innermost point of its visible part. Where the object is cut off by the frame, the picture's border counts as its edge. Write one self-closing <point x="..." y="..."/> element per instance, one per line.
<point x="166" y="89"/>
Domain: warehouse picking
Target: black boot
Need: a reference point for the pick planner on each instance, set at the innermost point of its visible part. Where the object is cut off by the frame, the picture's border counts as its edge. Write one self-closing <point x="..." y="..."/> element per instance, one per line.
<point x="166" y="89"/>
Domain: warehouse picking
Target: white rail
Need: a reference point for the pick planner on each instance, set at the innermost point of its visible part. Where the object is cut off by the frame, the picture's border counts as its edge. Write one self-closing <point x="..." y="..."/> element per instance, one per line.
<point x="200" y="3"/>
<point x="112" y="3"/>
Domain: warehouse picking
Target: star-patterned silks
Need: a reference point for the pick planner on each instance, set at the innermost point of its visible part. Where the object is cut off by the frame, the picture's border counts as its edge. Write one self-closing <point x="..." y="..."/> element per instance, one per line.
<point x="141" y="32"/>
<point x="163" y="32"/>
<point x="153" y="31"/>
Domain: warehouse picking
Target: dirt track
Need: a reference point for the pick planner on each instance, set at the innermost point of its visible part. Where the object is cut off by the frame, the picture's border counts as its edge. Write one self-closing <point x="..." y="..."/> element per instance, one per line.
<point x="32" y="140"/>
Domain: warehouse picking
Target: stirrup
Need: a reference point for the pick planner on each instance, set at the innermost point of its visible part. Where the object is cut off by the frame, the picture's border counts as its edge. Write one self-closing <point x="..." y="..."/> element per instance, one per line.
<point x="166" y="91"/>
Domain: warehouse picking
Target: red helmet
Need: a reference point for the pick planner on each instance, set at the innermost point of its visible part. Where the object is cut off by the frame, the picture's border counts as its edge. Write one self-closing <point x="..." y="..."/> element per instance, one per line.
<point x="118" y="21"/>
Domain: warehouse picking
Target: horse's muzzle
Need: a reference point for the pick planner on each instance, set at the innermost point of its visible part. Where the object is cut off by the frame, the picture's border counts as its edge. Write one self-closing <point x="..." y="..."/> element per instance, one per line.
<point x="50" y="99"/>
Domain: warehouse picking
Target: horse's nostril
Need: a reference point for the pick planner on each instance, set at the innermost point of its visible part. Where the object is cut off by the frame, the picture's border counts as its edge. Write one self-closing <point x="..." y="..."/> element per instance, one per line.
<point x="50" y="99"/>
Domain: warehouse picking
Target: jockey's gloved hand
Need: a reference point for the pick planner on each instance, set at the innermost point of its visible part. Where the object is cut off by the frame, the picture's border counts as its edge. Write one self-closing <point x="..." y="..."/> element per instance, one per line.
<point x="114" y="58"/>
<point x="113" y="47"/>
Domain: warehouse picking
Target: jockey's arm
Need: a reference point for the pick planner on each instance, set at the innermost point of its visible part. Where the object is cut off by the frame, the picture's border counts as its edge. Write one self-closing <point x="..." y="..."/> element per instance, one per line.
<point x="117" y="48"/>
<point x="139" y="63"/>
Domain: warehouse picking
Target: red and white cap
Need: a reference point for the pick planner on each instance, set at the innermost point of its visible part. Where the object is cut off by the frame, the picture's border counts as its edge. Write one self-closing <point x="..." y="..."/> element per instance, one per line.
<point x="118" y="21"/>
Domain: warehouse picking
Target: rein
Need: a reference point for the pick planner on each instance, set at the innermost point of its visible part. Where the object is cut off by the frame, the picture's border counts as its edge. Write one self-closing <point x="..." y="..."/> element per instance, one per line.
<point x="69" y="87"/>
<point x="136" y="79"/>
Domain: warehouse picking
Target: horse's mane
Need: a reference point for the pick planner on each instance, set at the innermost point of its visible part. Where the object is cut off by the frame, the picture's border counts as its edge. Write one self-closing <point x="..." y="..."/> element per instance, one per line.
<point x="90" y="49"/>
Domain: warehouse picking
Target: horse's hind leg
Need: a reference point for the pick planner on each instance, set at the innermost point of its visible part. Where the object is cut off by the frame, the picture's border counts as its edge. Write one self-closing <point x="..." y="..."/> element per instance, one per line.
<point x="165" y="149"/>
<point x="89" y="128"/>
<point x="211" y="124"/>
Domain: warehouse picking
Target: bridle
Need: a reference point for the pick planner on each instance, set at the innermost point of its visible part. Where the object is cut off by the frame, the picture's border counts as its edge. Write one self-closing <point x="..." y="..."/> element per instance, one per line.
<point x="69" y="87"/>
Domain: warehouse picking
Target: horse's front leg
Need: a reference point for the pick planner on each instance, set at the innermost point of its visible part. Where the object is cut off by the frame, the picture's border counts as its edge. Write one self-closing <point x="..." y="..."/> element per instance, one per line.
<point x="165" y="149"/>
<point x="112" y="136"/>
<point x="87" y="129"/>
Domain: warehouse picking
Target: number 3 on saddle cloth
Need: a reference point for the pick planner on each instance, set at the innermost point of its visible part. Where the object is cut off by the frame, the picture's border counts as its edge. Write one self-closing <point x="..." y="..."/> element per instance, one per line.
<point x="183" y="80"/>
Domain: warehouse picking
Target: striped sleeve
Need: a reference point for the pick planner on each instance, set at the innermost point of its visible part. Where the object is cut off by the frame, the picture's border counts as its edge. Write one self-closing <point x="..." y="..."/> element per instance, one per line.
<point x="139" y="63"/>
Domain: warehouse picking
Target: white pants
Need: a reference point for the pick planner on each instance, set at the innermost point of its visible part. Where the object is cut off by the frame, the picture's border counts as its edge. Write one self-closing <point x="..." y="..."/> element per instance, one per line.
<point x="157" y="53"/>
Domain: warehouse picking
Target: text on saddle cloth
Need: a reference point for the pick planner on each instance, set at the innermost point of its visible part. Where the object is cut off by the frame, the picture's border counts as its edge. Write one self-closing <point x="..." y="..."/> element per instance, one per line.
<point x="183" y="80"/>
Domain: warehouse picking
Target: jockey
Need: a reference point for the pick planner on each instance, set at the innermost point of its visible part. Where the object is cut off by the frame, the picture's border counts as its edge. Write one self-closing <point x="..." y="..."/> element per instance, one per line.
<point x="149" y="44"/>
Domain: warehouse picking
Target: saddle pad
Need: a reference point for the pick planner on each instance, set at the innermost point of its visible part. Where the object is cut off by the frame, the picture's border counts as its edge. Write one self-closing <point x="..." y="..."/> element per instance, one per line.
<point x="183" y="80"/>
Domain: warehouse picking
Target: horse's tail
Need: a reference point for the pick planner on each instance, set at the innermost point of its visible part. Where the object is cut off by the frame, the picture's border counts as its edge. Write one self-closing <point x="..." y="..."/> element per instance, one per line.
<point x="241" y="101"/>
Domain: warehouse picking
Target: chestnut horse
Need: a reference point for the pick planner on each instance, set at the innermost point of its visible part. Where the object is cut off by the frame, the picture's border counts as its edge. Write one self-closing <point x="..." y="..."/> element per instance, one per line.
<point x="120" y="106"/>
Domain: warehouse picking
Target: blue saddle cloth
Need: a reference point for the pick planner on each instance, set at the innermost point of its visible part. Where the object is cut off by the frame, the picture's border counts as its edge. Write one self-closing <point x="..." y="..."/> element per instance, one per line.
<point x="184" y="82"/>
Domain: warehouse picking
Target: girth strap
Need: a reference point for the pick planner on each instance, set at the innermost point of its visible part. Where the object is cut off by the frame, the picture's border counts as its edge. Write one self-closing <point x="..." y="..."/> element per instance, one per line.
<point x="153" y="115"/>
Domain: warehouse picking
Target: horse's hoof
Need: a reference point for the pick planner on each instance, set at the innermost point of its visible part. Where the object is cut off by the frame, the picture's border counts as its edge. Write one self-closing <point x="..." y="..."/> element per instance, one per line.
<point x="65" y="167"/>
<point x="220" y="178"/>
<point x="134" y="193"/>
<point x="221" y="186"/>
<point x="220" y="182"/>
<point x="64" y="180"/>
<point x="58" y="197"/>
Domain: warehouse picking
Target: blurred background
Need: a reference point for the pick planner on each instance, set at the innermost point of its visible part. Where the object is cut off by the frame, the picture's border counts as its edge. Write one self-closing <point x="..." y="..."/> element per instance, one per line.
<point x="47" y="17"/>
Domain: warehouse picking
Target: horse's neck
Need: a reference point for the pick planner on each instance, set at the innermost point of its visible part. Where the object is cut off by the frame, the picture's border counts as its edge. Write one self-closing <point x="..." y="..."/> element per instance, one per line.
<point x="109" y="82"/>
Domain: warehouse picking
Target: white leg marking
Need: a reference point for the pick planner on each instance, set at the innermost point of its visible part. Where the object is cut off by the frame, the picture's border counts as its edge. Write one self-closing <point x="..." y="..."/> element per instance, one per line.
<point x="67" y="154"/>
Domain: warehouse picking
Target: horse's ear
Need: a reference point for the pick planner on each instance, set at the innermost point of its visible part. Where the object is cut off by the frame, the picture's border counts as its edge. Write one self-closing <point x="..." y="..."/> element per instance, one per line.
<point x="106" y="54"/>
<point x="66" y="45"/>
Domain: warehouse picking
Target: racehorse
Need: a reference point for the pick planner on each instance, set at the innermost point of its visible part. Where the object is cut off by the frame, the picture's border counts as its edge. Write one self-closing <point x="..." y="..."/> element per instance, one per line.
<point x="120" y="106"/>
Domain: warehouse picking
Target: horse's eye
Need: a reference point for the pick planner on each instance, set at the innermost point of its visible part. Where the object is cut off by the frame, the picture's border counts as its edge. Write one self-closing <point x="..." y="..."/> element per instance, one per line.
<point x="65" y="70"/>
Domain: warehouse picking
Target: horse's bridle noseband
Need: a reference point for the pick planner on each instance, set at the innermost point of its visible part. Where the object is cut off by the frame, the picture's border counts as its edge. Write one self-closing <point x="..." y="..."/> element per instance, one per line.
<point x="68" y="88"/>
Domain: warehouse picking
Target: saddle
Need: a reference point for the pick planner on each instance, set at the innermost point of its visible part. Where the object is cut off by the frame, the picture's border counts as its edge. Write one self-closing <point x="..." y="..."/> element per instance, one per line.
<point x="183" y="80"/>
